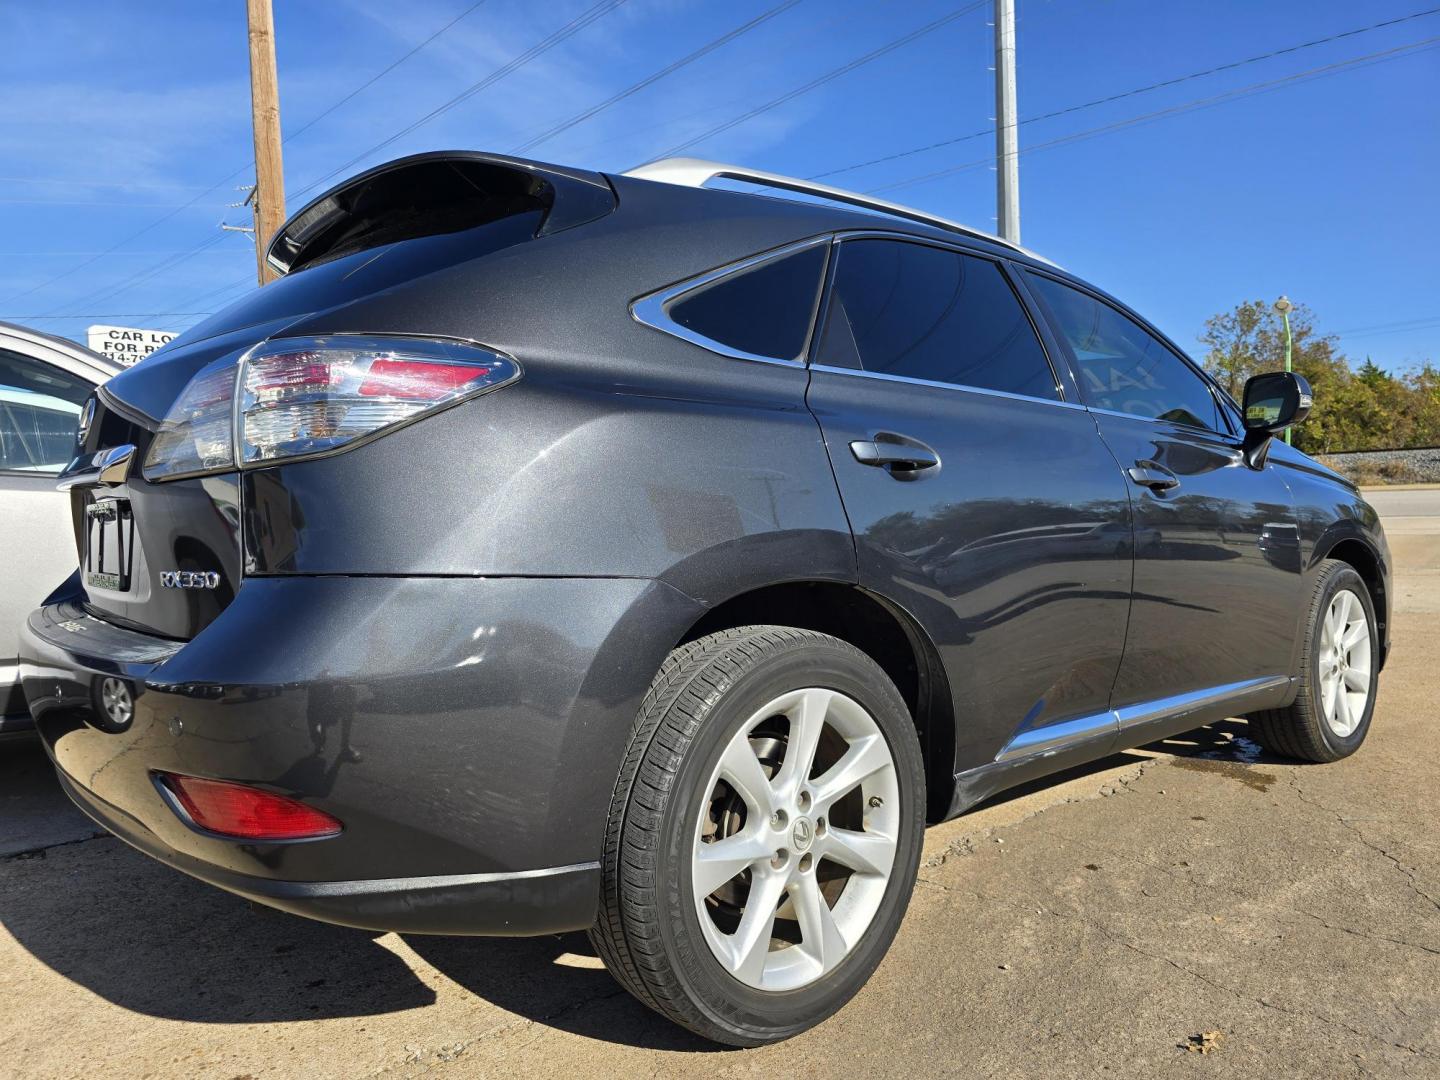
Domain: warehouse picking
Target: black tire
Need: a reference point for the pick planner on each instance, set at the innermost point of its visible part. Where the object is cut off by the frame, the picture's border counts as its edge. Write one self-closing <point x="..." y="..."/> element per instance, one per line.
<point x="648" y="931"/>
<point x="1300" y="730"/>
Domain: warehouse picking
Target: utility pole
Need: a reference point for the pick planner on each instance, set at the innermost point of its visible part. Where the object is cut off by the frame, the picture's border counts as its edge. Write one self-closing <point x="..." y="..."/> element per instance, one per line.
<point x="269" y="194"/>
<point x="1007" y="161"/>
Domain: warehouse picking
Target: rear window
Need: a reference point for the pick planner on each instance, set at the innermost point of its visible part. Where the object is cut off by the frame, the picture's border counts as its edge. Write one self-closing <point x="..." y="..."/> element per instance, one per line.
<point x="764" y="311"/>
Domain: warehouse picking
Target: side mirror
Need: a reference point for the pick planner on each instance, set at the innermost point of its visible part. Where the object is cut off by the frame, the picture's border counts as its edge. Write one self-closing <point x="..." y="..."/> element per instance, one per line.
<point x="1273" y="402"/>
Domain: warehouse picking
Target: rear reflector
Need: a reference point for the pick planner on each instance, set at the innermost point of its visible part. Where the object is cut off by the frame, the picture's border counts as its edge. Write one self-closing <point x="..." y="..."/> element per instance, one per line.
<point x="246" y="813"/>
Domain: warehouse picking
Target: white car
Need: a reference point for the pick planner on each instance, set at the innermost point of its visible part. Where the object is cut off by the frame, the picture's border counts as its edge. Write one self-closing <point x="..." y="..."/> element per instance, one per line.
<point x="44" y="384"/>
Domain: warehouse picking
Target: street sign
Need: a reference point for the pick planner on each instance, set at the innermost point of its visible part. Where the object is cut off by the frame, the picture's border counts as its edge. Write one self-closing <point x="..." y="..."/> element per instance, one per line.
<point x="125" y="344"/>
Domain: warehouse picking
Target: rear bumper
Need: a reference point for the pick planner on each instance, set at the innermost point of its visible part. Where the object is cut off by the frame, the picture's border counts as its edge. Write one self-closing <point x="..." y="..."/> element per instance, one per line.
<point x="549" y="900"/>
<point x="467" y="732"/>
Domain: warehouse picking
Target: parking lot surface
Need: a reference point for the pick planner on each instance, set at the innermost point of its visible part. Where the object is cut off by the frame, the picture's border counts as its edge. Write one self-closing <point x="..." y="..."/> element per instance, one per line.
<point x="1198" y="907"/>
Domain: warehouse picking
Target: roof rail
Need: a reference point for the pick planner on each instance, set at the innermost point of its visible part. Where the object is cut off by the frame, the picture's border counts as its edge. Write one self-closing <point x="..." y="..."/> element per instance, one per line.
<point x="696" y="172"/>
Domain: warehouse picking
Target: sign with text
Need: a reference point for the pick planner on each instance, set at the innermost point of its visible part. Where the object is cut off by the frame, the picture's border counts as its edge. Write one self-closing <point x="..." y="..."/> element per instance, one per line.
<point x="126" y="344"/>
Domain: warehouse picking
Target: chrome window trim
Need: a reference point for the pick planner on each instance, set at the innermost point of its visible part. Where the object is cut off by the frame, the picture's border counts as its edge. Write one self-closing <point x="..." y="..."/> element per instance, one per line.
<point x="1223" y="436"/>
<point x="885" y="377"/>
<point x="652" y="309"/>
<point x="960" y="248"/>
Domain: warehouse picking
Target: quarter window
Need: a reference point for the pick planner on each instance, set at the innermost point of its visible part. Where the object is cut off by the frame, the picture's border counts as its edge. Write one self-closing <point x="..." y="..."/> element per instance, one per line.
<point x="1124" y="367"/>
<point x="763" y="311"/>
<point x="39" y="407"/>
<point x="930" y="313"/>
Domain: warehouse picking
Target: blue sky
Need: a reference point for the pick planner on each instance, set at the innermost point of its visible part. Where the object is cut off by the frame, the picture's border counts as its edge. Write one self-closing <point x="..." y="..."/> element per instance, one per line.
<point x="115" y="114"/>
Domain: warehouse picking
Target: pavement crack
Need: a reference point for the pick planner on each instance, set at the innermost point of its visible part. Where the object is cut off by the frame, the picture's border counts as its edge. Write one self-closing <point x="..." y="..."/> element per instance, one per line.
<point x="40" y="851"/>
<point x="1237" y="994"/>
<point x="1408" y="872"/>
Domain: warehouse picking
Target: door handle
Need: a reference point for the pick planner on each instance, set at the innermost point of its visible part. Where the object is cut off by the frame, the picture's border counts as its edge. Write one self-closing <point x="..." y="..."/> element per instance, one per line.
<point x="903" y="458"/>
<point x="1150" y="475"/>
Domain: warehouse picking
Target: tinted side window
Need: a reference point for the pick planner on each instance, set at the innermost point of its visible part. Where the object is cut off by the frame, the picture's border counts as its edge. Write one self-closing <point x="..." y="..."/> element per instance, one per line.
<point x="39" y="407"/>
<point x="929" y="313"/>
<point x="1124" y="367"/>
<point x="765" y="311"/>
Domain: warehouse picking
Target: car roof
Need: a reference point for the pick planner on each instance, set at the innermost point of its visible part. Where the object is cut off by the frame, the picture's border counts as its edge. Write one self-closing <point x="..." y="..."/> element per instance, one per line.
<point x="71" y="355"/>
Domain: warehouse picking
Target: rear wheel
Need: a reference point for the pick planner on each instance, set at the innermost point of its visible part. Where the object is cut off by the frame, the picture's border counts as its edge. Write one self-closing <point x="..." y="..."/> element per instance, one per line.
<point x="764" y="835"/>
<point x="1339" y="668"/>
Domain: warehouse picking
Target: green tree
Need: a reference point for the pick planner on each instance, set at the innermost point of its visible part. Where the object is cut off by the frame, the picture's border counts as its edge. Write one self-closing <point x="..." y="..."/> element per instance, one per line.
<point x="1251" y="339"/>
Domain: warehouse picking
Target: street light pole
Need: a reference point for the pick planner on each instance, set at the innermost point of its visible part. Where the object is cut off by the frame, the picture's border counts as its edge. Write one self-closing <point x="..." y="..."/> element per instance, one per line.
<point x="1284" y="307"/>
<point x="1007" y="161"/>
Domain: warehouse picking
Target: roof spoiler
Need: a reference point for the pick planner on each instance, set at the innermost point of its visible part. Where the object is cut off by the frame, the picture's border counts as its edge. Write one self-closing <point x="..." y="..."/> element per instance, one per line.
<point x="437" y="192"/>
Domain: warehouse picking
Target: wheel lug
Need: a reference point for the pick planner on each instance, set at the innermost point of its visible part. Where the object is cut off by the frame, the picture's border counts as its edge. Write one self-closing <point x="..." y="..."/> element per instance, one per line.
<point x="806" y="862"/>
<point x="781" y="857"/>
<point x="779" y="819"/>
<point x="804" y="802"/>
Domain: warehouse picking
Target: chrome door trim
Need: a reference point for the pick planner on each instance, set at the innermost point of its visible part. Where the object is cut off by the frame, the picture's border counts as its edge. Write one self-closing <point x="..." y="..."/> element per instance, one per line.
<point x="1053" y="738"/>
<point x="1177" y="705"/>
<point x="652" y="309"/>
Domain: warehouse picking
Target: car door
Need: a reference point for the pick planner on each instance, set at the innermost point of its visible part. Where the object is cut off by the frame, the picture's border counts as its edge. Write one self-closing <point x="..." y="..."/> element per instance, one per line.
<point x="982" y="500"/>
<point x="1217" y="549"/>
<point x="39" y="405"/>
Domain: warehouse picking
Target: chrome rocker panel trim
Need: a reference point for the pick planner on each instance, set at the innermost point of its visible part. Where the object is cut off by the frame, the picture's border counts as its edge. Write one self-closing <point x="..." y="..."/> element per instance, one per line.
<point x="1044" y="751"/>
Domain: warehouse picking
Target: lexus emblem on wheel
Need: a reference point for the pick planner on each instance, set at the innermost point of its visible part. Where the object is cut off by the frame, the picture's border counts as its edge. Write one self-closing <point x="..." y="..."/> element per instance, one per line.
<point x="189" y="579"/>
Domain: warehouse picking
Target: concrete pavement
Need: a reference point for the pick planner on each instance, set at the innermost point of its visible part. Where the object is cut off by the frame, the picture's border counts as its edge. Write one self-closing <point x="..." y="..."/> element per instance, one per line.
<point x="1195" y="894"/>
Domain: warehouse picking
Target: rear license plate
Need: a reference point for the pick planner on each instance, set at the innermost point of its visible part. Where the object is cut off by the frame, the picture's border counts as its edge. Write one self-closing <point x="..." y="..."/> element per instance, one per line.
<point x="109" y="544"/>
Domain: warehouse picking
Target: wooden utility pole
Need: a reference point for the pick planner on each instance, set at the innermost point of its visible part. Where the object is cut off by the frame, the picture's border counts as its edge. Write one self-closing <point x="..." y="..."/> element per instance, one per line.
<point x="269" y="195"/>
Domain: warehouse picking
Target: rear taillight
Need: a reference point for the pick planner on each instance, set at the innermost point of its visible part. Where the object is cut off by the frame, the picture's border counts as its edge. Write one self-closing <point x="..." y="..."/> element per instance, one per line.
<point x="243" y="812"/>
<point x="298" y="397"/>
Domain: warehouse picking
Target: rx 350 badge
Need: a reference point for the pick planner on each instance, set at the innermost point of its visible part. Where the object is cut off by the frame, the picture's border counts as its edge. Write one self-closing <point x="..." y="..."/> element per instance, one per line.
<point x="189" y="579"/>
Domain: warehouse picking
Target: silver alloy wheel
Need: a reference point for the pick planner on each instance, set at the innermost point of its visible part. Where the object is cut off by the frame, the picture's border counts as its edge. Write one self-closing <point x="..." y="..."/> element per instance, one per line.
<point x="792" y="854"/>
<point x="1344" y="663"/>
<point x="118" y="703"/>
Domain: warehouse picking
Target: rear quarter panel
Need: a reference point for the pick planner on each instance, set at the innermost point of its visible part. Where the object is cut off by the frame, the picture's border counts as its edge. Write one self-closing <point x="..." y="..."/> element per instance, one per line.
<point x="621" y="452"/>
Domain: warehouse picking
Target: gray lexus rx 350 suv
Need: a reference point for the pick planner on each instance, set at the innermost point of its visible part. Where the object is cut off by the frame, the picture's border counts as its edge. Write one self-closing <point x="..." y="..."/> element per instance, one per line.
<point x="549" y="550"/>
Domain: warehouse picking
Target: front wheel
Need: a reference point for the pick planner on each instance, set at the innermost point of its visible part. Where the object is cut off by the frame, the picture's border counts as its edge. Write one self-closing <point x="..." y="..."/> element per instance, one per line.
<point x="1339" y="671"/>
<point x="764" y="836"/>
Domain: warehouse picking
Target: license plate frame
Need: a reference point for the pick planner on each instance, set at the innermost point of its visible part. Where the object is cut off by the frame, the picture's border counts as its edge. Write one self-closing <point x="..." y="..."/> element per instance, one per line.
<point x="109" y="544"/>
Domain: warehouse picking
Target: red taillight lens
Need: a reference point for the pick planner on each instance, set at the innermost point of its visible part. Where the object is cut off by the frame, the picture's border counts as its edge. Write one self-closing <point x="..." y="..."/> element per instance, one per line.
<point x="247" y="813"/>
<point x="417" y="380"/>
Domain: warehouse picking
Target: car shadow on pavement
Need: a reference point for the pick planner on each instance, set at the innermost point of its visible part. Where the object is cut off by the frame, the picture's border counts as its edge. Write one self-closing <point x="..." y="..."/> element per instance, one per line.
<point x="156" y="942"/>
<point x="554" y="981"/>
<point x="153" y="941"/>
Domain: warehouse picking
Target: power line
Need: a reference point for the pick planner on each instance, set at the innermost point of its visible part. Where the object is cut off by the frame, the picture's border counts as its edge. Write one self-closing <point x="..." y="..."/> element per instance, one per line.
<point x="810" y="33"/>
<point x="574" y="26"/>
<point x="109" y="315"/>
<point x="1132" y="93"/>
<point x="381" y="74"/>
<point x="244" y="168"/>
<point x="1188" y="106"/>
<point x="109" y="292"/>
<point x="829" y="76"/>
<point x="1420" y="322"/>
<point x="650" y="80"/>
<point x="1392" y="330"/>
